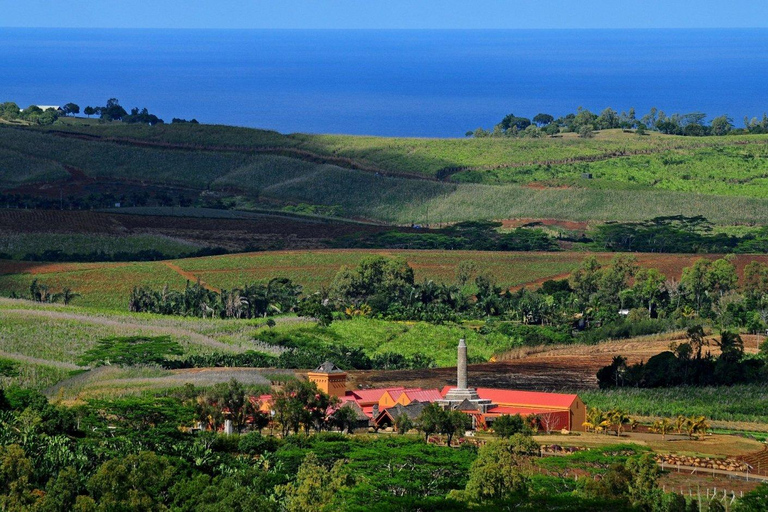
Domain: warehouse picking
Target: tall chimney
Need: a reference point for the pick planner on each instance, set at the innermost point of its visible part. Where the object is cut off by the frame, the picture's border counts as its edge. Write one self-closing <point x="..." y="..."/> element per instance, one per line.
<point x="461" y="365"/>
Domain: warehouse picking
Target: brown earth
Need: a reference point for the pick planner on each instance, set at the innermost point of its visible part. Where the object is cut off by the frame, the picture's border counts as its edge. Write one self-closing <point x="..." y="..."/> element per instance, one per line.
<point x="266" y="232"/>
<point x="545" y="368"/>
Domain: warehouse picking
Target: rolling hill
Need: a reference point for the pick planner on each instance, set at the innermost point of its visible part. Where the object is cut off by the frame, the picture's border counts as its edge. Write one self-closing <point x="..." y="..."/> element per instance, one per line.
<point x="398" y="181"/>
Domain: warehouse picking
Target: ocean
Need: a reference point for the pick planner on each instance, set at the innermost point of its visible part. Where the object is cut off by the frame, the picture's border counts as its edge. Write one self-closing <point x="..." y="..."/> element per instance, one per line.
<point x="437" y="83"/>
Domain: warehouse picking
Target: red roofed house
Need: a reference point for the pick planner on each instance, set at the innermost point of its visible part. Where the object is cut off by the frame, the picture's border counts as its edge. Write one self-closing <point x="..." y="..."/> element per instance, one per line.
<point x="555" y="411"/>
<point x="419" y="395"/>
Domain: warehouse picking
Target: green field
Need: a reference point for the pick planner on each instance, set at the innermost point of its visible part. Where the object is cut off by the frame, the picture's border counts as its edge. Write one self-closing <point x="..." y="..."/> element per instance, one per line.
<point x="47" y="341"/>
<point x="722" y="178"/>
<point x="108" y="285"/>
<point x="746" y="403"/>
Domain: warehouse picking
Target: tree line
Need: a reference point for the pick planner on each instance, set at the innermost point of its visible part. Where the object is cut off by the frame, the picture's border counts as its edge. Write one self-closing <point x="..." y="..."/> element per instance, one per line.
<point x="585" y="123"/>
<point x="598" y="301"/>
<point x="691" y="363"/>
<point x="675" y="234"/>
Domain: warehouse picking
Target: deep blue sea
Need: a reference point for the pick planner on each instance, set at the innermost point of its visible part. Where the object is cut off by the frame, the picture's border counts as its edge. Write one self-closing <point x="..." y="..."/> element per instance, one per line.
<point x="414" y="83"/>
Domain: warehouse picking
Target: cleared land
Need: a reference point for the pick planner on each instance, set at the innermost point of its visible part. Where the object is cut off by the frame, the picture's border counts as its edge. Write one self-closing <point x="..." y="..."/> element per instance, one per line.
<point x="171" y="231"/>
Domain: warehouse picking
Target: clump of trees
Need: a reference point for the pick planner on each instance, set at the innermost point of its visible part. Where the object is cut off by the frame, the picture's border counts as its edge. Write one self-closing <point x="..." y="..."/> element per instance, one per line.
<point x="131" y="351"/>
<point x="687" y="363"/>
<point x="585" y="123"/>
<point x="113" y="111"/>
<point x="474" y="235"/>
<point x="39" y="292"/>
<point x="279" y="295"/>
<point x="674" y="234"/>
<point x="10" y="111"/>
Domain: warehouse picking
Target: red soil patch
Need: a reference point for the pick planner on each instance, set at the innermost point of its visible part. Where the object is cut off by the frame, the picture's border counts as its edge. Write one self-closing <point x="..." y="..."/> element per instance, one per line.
<point x="267" y="232"/>
<point x="189" y="276"/>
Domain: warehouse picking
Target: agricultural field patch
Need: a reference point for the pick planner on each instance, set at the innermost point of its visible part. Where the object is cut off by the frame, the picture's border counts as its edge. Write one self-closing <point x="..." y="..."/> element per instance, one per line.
<point x="171" y="231"/>
<point x="108" y="285"/>
<point x="110" y="382"/>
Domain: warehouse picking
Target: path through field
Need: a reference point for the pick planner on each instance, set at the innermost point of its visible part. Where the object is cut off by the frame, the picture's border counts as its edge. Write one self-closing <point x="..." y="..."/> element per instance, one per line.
<point x="189" y="276"/>
<point x="37" y="361"/>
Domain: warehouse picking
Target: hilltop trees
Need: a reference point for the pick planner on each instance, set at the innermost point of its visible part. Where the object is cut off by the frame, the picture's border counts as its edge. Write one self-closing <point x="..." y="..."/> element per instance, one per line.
<point x="586" y="123"/>
<point x="70" y="109"/>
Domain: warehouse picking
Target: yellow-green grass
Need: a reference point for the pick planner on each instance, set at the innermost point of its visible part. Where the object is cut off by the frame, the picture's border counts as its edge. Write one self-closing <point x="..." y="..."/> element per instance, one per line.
<point x="728" y="170"/>
<point x="747" y="402"/>
<point x="35" y="376"/>
<point x="407" y="338"/>
<point x="414" y="155"/>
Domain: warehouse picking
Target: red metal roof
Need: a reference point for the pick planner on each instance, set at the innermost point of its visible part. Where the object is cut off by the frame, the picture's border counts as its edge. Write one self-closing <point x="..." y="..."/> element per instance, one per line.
<point x="522" y="411"/>
<point x="526" y="399"/>
<point x="373" y="395"/>
<point x="509" y="397"/>
<point x="423" y="395"/>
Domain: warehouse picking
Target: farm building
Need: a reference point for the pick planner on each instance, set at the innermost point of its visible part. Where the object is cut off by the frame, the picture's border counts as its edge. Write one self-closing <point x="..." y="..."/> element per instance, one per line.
<point x="553" y="411"/>
<point x="382" y="406"/>
<point x="48" y="107"/>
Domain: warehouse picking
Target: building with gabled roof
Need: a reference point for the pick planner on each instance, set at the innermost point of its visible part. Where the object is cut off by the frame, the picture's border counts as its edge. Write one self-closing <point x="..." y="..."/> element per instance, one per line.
<point x="419" y="395"/>
<point x="388" y="417"/>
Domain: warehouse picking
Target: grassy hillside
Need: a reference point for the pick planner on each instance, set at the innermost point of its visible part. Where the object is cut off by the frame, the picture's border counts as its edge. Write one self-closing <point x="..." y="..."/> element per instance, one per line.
<point x="45" y="342"/>
<point x="722" y="178"/>
<point x="418" y="155"/>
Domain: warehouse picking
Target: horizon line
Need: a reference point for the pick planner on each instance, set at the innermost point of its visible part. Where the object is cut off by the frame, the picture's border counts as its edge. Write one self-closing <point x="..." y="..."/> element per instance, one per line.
<point x="474" y="29"/>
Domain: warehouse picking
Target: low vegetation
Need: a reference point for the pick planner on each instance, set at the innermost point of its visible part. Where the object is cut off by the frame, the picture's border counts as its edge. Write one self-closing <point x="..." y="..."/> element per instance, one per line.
<point x="100" y="453"/>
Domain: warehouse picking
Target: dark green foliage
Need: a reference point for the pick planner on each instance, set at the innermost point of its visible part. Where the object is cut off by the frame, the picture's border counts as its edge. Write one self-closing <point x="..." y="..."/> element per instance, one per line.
<point x="508" y="425"/>
<point x="131" y="455"/>
<point x="8" y="368"/>
<point x="625" y="329"/>
<point x="131" y="350"/>
<point x="477" y="236"/>
<point x="142" y="255"/>
<point x="687" y="366"/>
<point x="279" y="295"/>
